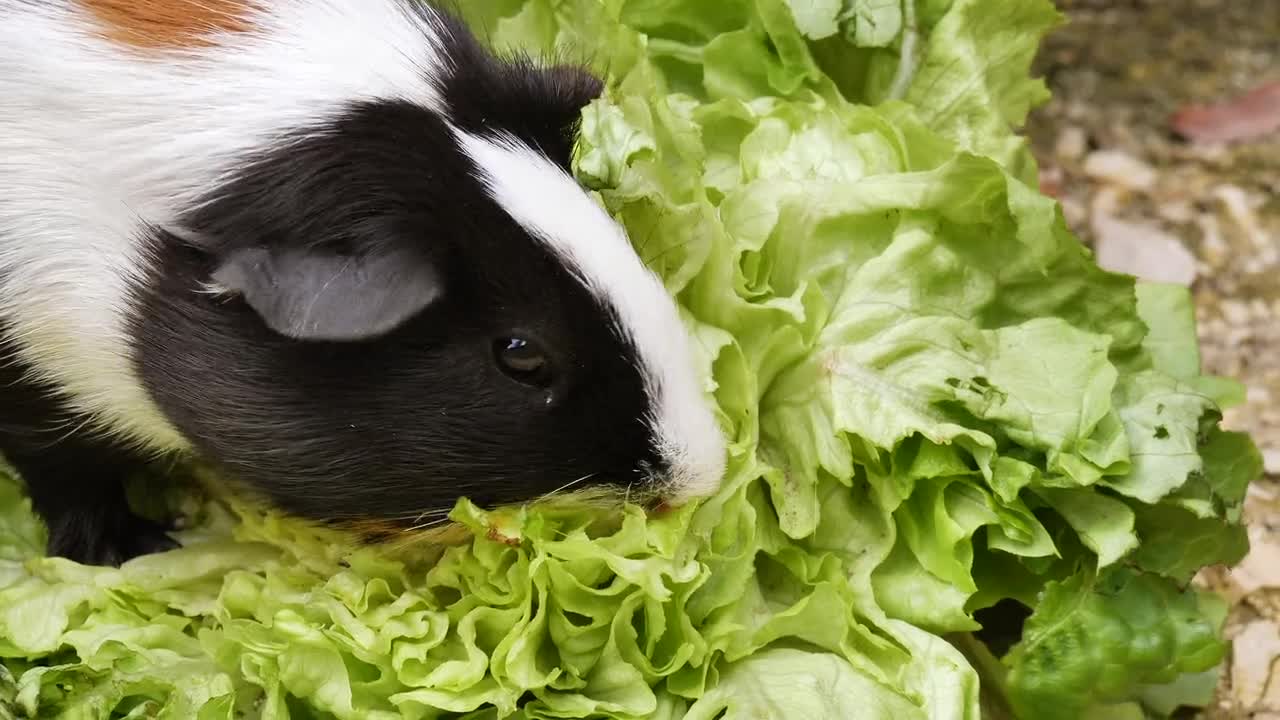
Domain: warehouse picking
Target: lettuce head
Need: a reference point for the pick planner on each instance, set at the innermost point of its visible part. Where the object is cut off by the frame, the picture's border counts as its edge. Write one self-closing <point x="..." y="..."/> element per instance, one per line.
<point x="971" y="474"/>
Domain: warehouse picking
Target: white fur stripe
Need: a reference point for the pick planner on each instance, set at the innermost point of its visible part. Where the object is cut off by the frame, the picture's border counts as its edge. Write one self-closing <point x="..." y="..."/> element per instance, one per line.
<point x="547" y="202"/>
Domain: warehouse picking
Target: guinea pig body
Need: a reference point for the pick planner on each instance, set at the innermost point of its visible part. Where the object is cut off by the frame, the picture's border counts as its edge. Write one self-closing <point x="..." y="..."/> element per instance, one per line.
<point x="332" y="246"/>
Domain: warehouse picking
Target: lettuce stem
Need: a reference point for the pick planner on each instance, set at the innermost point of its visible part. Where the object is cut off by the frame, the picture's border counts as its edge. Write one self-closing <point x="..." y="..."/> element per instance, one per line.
<point x="991" y="676"/>
<point x="907" y="57"/>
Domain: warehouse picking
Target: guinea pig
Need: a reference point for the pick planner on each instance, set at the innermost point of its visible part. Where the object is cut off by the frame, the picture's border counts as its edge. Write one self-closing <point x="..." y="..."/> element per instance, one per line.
<point x="330" y="247"/>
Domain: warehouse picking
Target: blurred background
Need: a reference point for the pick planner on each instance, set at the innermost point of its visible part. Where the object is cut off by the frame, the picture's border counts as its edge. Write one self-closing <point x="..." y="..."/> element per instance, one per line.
<point x="1162" y="142"/>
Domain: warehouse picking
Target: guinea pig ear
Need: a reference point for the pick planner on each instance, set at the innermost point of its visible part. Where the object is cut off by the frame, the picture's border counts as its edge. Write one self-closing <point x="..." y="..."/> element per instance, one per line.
<point x="321" y="295"/>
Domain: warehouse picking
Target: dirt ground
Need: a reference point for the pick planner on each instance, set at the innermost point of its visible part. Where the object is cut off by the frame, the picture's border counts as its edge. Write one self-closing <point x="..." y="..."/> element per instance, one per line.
<point x="1157" y="203"/>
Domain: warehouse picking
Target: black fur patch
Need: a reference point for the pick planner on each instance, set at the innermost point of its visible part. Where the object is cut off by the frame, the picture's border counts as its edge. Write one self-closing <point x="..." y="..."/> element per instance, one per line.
<point x="539" y="105"/>
<point x="393" y="427"/>
<point x="75" y="478"/>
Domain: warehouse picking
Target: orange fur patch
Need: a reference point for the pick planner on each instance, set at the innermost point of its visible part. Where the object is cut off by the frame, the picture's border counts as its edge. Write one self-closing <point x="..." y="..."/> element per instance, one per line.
<point x="170" y="23"/>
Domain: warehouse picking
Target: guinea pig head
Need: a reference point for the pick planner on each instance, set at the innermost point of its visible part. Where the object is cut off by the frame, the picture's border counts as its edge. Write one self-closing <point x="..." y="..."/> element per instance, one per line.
<point x="398" y="306"/>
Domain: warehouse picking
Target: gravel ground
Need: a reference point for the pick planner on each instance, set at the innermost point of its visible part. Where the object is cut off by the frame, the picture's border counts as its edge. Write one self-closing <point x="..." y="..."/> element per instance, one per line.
<point x="1155" y="203"/>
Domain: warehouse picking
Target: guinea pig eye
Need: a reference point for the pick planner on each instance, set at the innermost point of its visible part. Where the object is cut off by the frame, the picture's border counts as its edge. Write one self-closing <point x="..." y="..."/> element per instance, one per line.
<point x="522" y="360"/>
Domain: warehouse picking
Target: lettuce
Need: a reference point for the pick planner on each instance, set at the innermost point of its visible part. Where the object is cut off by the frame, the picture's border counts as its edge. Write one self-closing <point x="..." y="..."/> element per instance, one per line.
<point x="938" y="405"/>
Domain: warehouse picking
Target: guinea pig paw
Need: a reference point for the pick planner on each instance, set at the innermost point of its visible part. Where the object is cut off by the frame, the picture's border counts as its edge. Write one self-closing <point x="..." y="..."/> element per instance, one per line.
<point x="107" y="540"/>
<point x="145" y="537"/>
<point x="177" y="522"/>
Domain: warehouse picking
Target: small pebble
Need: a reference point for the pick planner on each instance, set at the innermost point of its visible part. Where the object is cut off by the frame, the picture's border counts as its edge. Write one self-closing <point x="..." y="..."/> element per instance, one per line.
<point x="1261" y="567"/>
<point x="1264" y="492"/>
<point x="1238" y="335"/>
<point x="1212" y="247"/>
<point x="1269" y="257"/>
<point x="1119" y="168"/>
<point x="1236" y="312"/>
<point x="1178" y="211"/>
<point x="1072" y="143"/>
<point x="1236" y="203"/>
<point x="1253" y="652"/>
<point x="1142" y="250"/>
<point x="1271" y="463"/>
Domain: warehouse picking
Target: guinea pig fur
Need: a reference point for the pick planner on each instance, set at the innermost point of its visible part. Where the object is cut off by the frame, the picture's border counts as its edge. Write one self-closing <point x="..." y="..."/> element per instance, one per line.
<point x="332" y="247"/>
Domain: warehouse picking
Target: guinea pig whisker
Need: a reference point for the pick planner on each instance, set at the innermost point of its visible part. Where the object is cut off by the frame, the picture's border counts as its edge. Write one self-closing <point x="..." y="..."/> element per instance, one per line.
<point x="416" y="534"/>
<point x="71" y="431"/>
<point x="427" y="524"/>
<point x="425" y="514"/>
<point x="568" y="485"/>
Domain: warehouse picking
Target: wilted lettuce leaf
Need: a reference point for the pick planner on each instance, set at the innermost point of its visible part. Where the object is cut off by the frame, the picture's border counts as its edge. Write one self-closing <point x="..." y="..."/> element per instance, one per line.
<point x="936" y="401"/>
<point x="1095" y="641"/>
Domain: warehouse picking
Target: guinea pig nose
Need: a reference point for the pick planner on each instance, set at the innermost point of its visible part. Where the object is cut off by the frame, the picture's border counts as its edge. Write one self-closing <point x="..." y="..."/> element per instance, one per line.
<point x="692" y="467"/>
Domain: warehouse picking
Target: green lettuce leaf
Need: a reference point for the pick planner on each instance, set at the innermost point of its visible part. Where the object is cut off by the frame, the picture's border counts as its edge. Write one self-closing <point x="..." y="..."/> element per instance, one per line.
<point x="793" y="683"/>
<point x="1093" y="641"/>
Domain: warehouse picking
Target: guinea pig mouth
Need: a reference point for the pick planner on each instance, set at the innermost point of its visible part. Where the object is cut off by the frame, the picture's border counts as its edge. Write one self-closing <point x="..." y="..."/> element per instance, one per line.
<point x="657" y="491"/>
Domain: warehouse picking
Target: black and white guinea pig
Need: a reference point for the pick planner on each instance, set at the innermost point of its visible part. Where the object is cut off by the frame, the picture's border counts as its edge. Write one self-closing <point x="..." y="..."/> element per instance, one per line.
<point x="331" y="246"/>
